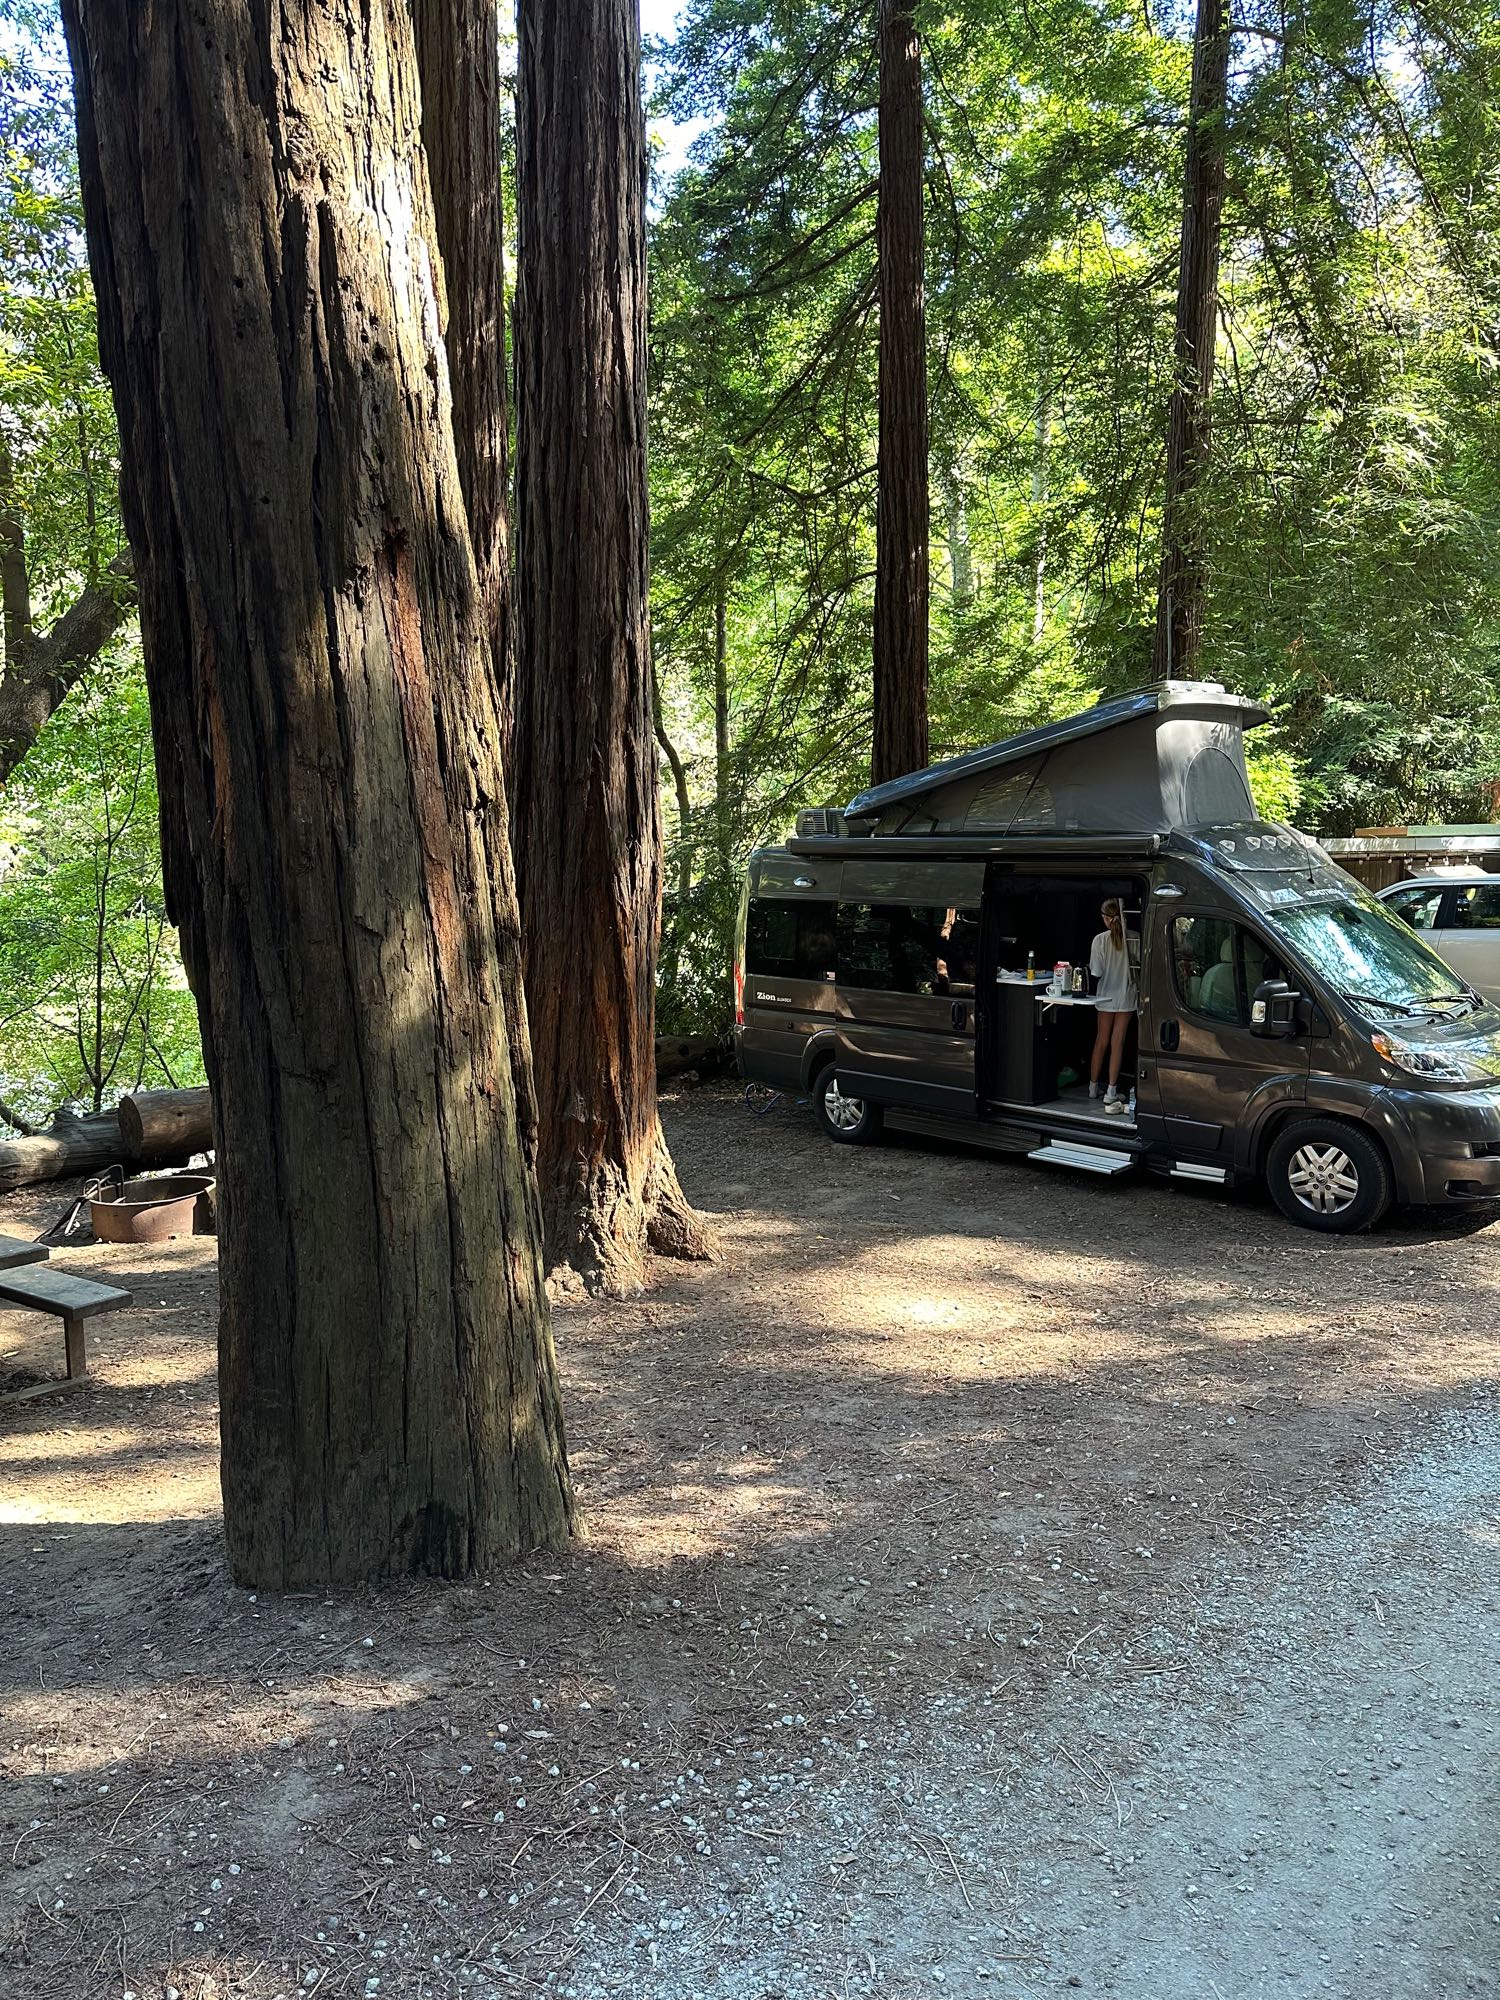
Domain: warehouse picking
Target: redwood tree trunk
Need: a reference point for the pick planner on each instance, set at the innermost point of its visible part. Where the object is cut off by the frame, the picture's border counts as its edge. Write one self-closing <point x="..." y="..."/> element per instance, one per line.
<point x="902" y="509"/>
<point x="458" y="61"/>
<point x="587" y="815"/>
<point x="261" y="232"/>
<point x="1183" y="594"/>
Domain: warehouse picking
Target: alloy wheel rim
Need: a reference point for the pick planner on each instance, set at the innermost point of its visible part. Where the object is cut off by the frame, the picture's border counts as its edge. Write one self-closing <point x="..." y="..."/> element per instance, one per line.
<point x="844" y="1113"/>
<point x="1324" y="1179"/>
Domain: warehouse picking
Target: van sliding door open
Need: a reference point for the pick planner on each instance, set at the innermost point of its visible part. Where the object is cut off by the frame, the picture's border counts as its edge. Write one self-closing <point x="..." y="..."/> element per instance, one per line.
<point x="1032" y="1053"/>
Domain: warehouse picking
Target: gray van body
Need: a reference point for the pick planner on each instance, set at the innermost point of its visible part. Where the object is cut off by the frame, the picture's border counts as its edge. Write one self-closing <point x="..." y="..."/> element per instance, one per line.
<point x="935" y="867"/>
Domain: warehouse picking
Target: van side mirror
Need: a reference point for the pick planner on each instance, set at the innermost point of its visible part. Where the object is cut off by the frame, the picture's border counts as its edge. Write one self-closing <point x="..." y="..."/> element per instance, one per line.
<point x="1273" y="1010"/>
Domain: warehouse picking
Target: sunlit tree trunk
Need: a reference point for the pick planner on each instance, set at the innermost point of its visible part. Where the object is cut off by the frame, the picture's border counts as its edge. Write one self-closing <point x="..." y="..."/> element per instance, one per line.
<point x="587" y="812"/>
<point x="723" y="803"/>
<point x="902" y="509"/>
<point x="1040" y="492"/>
<point x="960" y="546"/>
<point x="262" y="238"/>
<point x="1183" y="593"/>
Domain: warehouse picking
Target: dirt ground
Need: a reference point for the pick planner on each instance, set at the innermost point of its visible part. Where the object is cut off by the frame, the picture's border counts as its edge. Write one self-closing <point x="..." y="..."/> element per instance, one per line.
<point x="994" y="1583"/>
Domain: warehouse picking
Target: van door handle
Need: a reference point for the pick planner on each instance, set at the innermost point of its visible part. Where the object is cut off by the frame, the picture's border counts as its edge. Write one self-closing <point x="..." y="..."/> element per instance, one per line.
<point x="1171" y="1035"/>
<point x="958" y="1014"/>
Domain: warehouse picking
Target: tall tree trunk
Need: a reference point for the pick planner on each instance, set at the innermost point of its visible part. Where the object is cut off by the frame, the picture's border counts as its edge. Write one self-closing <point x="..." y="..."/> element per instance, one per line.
<point x="722" y="817"/>
<point x="458" y="62"/>
<point x="1183" y="593"/>
<point x="671" y="960"/>
<point x="1040" y="485"/>
<point x="681" y="793"/>
<point x="587" y="812"/>
<point x="902" y="507"/>
<point x="262" y="238"/>
<point x="723" y="811"/>
<point x="960" y="546"/>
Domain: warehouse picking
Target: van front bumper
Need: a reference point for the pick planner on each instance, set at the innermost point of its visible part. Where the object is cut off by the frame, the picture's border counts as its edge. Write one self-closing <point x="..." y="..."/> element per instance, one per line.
<point x="1445" y="1144"/>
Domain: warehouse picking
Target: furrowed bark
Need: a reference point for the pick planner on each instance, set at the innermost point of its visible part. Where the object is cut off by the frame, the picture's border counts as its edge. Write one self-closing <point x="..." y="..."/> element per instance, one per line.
<point x="902" y="529"/>
<point x="262" y="239"/>
<point x="458" y="61"/>
<point x="587" y="813"/>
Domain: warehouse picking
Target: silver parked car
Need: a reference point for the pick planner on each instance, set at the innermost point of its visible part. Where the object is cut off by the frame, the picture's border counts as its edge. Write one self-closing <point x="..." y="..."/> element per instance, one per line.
<point x="1457" y="910"/>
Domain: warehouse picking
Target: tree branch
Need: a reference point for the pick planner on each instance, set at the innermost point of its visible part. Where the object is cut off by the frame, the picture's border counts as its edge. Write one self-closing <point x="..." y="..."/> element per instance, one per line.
<point x="42" y="672"/>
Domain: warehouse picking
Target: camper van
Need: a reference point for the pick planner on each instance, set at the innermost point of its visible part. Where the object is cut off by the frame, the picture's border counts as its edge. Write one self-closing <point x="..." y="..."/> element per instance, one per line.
<point x="912" y="962"/>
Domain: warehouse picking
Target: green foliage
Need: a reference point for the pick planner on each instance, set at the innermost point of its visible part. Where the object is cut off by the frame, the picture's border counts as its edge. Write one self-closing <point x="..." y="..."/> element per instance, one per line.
<point x="1351" y="508"/>
<point x="93" y="1001"/>
<point x="1353" y="500"/>
<point x="55" y="412"/>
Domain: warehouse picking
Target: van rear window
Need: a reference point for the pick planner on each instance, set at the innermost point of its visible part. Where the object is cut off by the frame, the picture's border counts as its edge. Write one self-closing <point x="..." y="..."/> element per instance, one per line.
<point x="789" y="940"/>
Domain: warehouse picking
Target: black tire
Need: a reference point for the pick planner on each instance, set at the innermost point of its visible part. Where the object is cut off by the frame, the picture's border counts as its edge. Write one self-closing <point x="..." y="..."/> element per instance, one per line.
<point x="1327" y="1174"/>
<point x="848" y="1121"/>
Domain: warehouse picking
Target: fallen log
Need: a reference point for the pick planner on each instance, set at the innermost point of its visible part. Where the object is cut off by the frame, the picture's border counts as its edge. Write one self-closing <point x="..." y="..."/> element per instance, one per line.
<point x="164" y="1128"/>
<point x="160" y="1128"/>
<point x="677" y="1053"/>
<point x="68" y="1148"/>
<point x="156" y="1128"/>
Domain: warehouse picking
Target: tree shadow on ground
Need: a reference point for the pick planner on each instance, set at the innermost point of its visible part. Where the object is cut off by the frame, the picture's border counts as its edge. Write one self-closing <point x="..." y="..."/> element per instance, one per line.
<point x="874" y="1467"/>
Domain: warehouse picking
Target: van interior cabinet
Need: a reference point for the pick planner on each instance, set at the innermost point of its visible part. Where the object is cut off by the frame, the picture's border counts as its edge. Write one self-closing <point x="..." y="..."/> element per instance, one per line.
<point x="1028" y="1058"/>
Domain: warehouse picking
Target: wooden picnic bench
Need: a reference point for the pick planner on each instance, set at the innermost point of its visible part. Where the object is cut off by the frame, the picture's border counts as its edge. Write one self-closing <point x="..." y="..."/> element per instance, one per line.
<point x="74" y="1301"/>
<point x="16" y="1250"/>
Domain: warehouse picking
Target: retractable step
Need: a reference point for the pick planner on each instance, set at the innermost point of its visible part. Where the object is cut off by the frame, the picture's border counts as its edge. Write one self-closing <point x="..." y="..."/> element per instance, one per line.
<point x="1088" y="1159"/>
<point x="1195" y="1170"/>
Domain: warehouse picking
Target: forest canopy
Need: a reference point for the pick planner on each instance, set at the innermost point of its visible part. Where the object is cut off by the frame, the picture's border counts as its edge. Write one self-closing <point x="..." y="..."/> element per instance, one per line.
<point x="1349" y="511"/>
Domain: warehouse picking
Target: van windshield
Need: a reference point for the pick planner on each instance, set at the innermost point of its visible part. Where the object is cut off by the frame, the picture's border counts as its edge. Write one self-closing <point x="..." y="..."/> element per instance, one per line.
<point x="1369" y="956"/>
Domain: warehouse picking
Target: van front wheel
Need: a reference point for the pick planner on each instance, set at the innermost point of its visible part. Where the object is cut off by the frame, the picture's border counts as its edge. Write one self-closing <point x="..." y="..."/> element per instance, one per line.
<point x="848" y="1121"/>
<point x="1328" y="1175"/>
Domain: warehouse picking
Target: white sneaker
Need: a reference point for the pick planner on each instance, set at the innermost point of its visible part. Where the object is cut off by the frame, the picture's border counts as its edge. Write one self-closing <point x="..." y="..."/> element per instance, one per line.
<point x="1113" y="1104"/>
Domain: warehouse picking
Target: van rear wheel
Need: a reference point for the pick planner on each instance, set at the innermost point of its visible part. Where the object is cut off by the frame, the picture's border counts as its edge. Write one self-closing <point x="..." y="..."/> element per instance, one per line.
<point x="848" y="1121"/>
<point x="1328" y="1175"/>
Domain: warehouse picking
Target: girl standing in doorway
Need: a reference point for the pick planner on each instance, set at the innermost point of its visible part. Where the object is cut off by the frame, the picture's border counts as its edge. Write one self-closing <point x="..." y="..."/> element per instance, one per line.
<point x="1114" y="982"/>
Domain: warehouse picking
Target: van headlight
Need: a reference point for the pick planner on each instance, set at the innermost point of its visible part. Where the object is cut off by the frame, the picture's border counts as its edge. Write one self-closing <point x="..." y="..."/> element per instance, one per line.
<point x="1435" y="1065"/>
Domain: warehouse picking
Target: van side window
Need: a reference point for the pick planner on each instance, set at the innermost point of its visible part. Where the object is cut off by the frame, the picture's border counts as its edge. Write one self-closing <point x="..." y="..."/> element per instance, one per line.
<point x="1217" y="966"/>
<point x="906" y="948"/>
<point x="789" y="940"/>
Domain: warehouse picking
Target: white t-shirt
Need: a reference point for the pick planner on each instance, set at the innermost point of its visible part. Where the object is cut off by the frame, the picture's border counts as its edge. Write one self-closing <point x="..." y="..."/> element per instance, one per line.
<point x="1109" y="965"/>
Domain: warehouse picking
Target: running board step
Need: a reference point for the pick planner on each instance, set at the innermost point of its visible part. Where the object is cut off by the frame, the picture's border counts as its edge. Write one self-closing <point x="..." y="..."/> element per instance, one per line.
<point x="1191" y="1170"/>
<point x="1090" y="1159"/>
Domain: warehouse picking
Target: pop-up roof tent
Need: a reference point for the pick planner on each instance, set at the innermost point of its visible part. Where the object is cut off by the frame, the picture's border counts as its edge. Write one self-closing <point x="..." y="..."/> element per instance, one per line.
<point x="1167" y="756"/>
